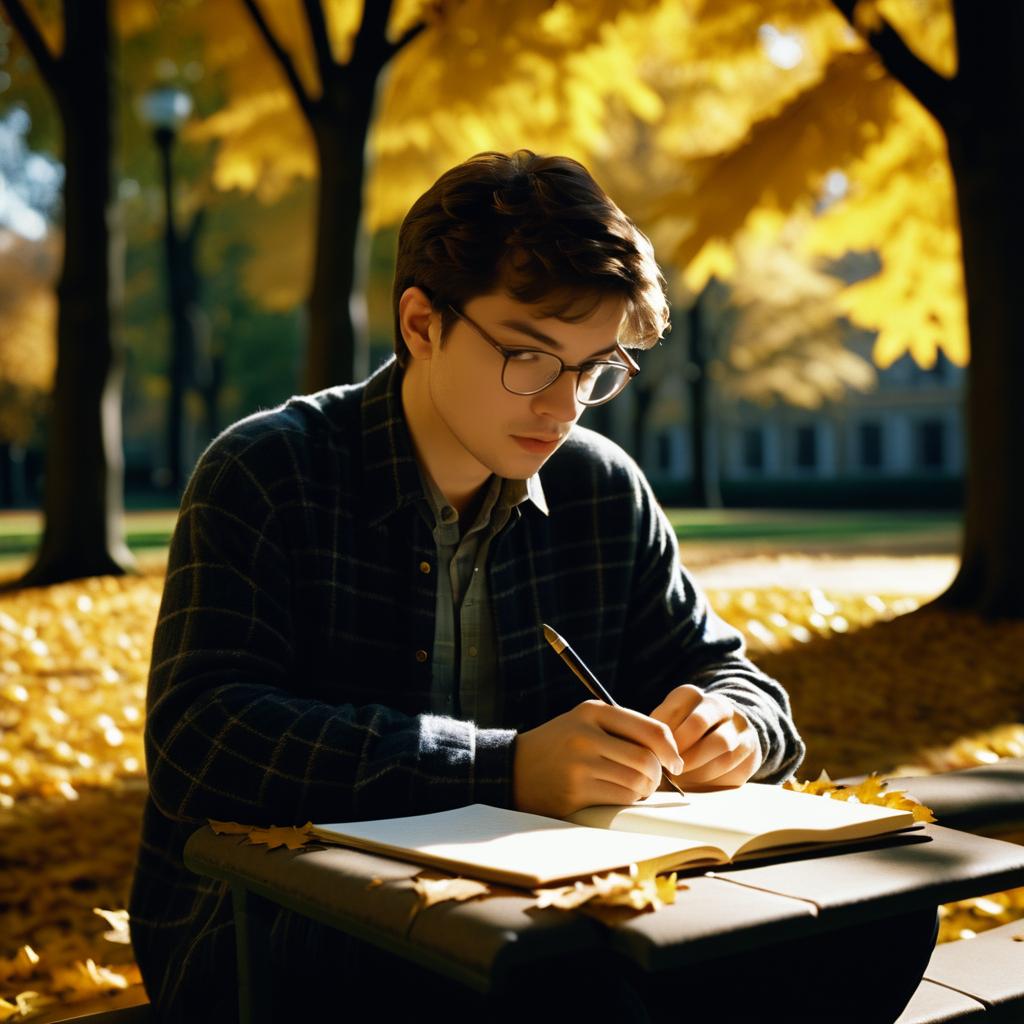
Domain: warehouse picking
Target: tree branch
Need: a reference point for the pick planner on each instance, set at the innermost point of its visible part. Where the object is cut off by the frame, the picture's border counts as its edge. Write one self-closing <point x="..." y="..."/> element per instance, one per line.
<point x="49" y="66"/>
<point x="317" y="24"/>
<point x="282" y="57"/>
<point x="926" y="85"/>
<point x="371" y="46"/>
<point x="407" y="37"/>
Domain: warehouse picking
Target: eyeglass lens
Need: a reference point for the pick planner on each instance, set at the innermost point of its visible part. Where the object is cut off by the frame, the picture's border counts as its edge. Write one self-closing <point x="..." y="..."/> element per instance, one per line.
<point x="526" y="373"/>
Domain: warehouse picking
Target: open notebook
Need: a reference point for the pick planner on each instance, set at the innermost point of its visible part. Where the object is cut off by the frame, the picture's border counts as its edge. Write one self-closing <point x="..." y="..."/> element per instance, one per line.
<point x="665" y="832"/>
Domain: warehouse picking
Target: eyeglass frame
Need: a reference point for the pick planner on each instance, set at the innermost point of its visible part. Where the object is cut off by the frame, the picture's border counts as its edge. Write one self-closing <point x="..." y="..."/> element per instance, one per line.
<point x="630" y="364"/>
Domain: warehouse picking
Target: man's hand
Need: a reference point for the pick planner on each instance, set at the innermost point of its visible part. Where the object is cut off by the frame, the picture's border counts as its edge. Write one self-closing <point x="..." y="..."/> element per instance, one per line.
<point x="593" y="754"/>
<point x="718" y="744"/>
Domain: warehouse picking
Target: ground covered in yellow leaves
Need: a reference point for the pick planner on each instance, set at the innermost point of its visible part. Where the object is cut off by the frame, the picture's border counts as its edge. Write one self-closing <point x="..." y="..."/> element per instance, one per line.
<point x="876" y="686"/>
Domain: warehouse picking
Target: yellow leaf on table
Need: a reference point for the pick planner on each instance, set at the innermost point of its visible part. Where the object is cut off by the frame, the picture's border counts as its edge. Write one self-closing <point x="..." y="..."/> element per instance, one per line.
<point x="871" y="791"/>
<point x="273" y="837"/>
<point x="638" y="890"/>
<point x="820" y="786"/>
<point x="904" y="801"/>
<point x="228" y="827"/>
<point x="433" y="889"/>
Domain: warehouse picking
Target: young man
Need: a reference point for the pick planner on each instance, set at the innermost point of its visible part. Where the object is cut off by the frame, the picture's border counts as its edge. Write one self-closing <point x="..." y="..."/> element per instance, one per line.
<point x="351" y="623"/>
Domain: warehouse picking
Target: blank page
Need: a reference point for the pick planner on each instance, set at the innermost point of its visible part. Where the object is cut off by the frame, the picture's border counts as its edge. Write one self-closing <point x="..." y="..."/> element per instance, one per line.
<point x="730" y="817"/>
<point x="522" y="849"/>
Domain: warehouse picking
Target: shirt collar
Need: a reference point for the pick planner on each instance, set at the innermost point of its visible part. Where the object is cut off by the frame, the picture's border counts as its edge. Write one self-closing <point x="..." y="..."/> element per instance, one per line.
<point x="535" y="492"/>
<point x="389" y="462"/>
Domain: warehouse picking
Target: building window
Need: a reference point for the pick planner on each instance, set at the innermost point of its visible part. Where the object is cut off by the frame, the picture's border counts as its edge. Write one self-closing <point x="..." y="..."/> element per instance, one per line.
<point x="753" y="449"/>
<point x="806" y="447"/>
<point x="931" y="444"/>
<point x="870" y="445"/>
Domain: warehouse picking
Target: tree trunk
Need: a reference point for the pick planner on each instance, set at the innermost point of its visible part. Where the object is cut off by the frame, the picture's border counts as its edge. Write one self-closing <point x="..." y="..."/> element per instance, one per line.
<point x="83" y="497"/>
<point x="337" y="304"/>
<point x="986" y="155"/>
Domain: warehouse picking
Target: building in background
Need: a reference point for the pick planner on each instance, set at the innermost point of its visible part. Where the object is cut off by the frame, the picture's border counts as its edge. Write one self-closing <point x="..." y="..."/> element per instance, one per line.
<point x="901" y="444"/>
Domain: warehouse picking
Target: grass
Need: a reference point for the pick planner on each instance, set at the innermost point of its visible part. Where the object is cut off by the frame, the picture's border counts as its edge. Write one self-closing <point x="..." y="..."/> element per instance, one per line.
<point x="20" y="531"/>
<point x="772" y="524"/>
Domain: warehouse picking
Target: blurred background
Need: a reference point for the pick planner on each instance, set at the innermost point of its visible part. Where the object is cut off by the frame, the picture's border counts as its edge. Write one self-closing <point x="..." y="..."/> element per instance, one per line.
<point x="199" y="205"/>
<point x="800" y="201"/>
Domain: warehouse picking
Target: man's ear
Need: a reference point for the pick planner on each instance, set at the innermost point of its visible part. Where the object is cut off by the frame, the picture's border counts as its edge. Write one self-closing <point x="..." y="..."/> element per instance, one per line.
<point x="416" y="319"/>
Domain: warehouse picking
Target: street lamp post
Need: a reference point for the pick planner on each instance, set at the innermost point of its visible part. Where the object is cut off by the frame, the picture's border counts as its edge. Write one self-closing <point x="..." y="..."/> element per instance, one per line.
<point x="164" y="110"/>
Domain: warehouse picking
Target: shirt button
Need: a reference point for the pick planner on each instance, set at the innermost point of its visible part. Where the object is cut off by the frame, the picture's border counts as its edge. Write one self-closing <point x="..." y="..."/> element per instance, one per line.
<point x="472" y="652"/>
<point x="424" y="567"/>
<point x="421" y="656"/>
<point x="447" y="514"/>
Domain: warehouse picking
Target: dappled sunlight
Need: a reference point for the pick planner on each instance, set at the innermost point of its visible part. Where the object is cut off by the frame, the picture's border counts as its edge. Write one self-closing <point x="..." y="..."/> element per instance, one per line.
<point x="886" y="694"/>
<point x="921" y="692"/>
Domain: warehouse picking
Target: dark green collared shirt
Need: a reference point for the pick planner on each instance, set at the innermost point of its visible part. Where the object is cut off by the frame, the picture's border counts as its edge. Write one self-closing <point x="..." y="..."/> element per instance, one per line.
<point x="466" y="681"/>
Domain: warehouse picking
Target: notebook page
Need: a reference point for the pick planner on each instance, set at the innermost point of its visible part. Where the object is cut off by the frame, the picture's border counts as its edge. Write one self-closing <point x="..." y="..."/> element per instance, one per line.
<point x="530" y="848"/>
<point x="730" y="818"/>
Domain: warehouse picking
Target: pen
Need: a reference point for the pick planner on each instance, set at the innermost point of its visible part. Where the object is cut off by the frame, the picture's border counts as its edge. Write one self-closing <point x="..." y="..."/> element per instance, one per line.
<point x="586" y="677"/>
<point x="579" y="668"/>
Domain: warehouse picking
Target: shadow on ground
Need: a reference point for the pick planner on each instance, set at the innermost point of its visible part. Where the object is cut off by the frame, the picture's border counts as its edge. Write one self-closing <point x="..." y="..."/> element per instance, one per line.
<point x="875" y="698"/>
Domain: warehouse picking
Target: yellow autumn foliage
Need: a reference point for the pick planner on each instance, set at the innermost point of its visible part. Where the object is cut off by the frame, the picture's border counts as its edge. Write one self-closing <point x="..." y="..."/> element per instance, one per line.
<point x="28" y="322"/>
<point x="787" y="341"/>
<point x="710" y="121"/>
<point x="264" y="144"/>
<point x="833" y="108"/>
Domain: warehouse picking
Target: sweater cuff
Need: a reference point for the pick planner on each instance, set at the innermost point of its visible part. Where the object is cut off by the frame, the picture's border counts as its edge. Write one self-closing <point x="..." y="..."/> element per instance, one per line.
<point x="492" y="776"/>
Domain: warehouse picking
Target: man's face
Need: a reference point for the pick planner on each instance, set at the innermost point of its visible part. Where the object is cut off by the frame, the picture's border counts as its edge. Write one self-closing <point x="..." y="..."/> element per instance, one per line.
<point x="488" y="428"/>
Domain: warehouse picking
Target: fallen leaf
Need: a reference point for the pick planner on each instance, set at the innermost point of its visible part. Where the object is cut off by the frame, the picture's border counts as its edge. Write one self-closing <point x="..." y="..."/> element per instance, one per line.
<point x="871" y="791"/>
<point x="564" y="897"/>
<point x="433" y="889"/>
<point x="228" y="827"/>
<point x="638" y="890"/>
<point x="904" y="801"/>
<point x="32" y="1002"/>
<point x="87" y="693"/>
<point x="820" y="786"/>
<point x="88" y="977"/>
<point x="21" y="965"/>
<point x="118" y="921"/>
<point x="273" y="837"/>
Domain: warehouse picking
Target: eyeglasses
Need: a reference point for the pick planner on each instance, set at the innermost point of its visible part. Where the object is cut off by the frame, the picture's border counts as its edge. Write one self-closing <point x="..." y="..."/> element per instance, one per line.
<point x="528" y="371"/>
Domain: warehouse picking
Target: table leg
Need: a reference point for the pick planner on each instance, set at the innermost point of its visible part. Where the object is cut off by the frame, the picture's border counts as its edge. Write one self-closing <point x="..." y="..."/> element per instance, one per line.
<point x="253" y="916"/>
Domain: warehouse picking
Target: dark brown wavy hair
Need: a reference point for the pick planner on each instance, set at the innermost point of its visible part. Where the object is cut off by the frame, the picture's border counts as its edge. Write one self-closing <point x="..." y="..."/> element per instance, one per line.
<point x="538" y="227"/>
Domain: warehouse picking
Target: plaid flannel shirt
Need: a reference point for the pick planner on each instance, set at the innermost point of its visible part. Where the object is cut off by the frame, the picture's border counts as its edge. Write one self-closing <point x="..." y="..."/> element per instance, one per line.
<point x="291" y="673"/>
